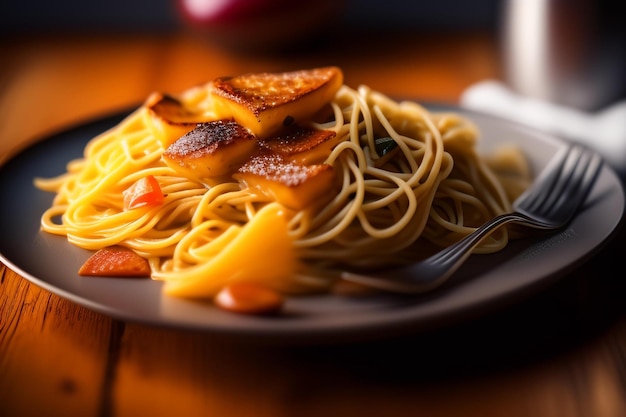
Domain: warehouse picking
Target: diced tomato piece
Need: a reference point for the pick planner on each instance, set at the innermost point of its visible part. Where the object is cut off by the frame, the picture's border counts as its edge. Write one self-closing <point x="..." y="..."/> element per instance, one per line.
<point x="144" y="192"/>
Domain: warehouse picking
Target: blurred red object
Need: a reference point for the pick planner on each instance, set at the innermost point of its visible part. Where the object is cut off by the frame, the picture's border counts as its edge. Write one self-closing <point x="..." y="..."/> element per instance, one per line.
<point x="261" y="25"/>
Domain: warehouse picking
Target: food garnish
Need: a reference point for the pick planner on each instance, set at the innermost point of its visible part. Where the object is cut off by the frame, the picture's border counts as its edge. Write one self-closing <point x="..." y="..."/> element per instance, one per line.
<point x="145" y="191"/>
<point x="115" y="261"/>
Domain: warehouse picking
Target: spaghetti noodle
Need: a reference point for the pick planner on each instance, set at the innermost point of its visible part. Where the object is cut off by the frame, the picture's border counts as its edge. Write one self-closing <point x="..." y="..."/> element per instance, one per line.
<point x="406" y="180"/>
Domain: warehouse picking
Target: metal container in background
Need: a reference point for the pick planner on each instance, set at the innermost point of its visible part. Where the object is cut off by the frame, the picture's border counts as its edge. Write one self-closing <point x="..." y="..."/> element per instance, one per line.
<point x="568" y="52"/>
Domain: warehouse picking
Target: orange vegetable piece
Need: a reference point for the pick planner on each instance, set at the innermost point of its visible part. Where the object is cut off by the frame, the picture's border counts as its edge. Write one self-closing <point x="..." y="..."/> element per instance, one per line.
<point x="144" y="192"/>
<point x="249" y="298"/>
<point x="115" y="261"/>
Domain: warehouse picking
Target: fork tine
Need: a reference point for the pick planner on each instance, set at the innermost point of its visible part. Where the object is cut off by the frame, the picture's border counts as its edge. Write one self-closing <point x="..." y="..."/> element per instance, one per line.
<point x="583" y="179"/>
<point x="549" y="176"/>
<point x="563" y="165"/>
<point x="591" y="174"/>
<point x="569" y="183"/>
<point x="574" y="165"/>
<point x="549" y="204"/>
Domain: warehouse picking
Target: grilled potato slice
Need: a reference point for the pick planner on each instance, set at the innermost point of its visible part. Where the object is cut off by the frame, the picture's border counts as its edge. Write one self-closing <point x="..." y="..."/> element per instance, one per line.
<point x="293" y="185"/>
<point x="211" y="150"/>
<point x="302" y="145"/>
<point x="266" y="102"/>
<point x="169" y="118"/>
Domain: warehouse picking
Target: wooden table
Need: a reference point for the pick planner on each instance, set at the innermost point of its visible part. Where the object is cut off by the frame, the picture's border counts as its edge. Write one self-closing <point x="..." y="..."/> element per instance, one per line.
<point x="558" y="353"/>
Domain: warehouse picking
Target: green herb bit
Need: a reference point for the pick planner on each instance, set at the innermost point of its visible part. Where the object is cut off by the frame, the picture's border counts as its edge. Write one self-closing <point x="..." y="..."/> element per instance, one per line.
<point x="385" y="145"/>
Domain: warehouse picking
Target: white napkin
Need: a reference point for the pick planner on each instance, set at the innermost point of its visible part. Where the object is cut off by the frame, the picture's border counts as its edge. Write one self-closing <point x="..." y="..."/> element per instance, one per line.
<point x="603" y="131"/>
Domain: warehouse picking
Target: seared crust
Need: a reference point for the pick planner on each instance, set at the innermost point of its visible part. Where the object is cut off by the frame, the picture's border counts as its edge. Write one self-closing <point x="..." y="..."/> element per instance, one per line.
<point x="298" y="140"/>
<point x="208" y="139"/>
<point x="266" y="103"/>
<point x="261" y="91"/>
<point x="293" y="185"/>
<point x="302" y="145"/>
<point x="274" y="168"/>
<point x="211" y="149"/>
<point x="170" y="119"/>
<point x="170" y="110"/>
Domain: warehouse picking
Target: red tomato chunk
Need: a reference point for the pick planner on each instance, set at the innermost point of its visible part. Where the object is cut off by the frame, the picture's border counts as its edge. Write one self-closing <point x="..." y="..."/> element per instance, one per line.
<point x="144" y="192"/>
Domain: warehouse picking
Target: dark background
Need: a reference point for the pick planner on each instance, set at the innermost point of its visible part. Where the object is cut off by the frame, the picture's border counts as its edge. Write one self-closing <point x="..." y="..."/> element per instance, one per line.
<point x="18" y="17"/>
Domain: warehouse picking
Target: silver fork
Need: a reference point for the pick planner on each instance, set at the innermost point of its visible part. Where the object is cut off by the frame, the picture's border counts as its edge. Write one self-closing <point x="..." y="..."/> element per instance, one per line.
<point x="549" y="204"/>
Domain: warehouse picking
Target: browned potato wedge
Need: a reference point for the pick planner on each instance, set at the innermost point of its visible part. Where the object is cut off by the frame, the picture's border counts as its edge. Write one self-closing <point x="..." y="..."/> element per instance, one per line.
<point x="266" y="102"/>
<point x="293" y="185"/>
<point x="169" y="118"/>
<point x="171" y="110"/>
<point x="302" y="145"/>
<point x="212" y="149"/>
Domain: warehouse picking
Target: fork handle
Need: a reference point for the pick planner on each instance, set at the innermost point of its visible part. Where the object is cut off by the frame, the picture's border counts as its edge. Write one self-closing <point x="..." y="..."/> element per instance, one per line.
<point x="457" y="253"/>
<point x="430" y="273"/>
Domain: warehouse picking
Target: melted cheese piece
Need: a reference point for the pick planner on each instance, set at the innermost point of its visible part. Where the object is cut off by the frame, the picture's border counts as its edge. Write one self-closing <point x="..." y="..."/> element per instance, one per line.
<point x="261" y="252"/>
<point x="267" y="102"/>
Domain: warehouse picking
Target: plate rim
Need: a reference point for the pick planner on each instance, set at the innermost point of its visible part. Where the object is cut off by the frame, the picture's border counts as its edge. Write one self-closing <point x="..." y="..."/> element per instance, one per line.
<point x="288" y="334"/>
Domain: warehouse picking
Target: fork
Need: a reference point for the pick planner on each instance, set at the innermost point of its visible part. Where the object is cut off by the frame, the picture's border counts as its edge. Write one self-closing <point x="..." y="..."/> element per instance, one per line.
<point x="549" y="204"/>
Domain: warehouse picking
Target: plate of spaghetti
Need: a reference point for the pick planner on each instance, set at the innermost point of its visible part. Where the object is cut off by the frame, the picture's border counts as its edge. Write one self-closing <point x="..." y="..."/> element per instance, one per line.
<point x="234" y="207"/>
